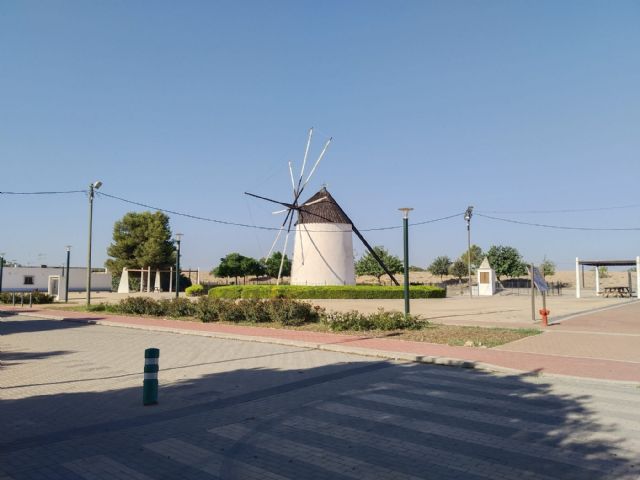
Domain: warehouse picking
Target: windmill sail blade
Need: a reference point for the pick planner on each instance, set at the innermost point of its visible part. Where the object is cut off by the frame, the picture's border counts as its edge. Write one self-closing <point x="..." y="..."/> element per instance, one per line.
<point x="306" y="154"/>
<point x="284" y="253"/>
<point x="273" y="245"/>
<point x="288" y="205"/>
<point x="324" y="150"/>
<point x="314" y="202"/>
<point x="277" y="212"/>
<point x="293" y="182"/>
<point x="286" y="241"/>
<point x="374" y="254"/>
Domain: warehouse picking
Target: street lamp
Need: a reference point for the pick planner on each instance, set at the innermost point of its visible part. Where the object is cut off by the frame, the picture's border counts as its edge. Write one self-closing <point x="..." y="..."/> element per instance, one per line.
<point x="66" y="277"/>
<point x="178" y="237"/>
<point x="1" y="269"/>
<point x="92" y="188"/>
<point x="467" y="216"/>
<point x="405" y="224"/>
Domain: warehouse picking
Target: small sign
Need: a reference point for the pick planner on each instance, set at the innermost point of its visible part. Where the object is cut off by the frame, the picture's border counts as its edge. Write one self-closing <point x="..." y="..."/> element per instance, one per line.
<point x="538" y="280"/>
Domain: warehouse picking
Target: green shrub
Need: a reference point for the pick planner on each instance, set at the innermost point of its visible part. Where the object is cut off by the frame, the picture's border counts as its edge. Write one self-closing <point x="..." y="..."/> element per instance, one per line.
<point x="179" y="307"/>
<point x="142" y="306"/>
<point x="207" y="309"/>
<point x="255" y="311"/>
<point x="339" y="291"/>
<point x="36" y="297"/>
<point x="381" y="320"/>
<point x="194" y="290"/>
<point x="292" y="313"/>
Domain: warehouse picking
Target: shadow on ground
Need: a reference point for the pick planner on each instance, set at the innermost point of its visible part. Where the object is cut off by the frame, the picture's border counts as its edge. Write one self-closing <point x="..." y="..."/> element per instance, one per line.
<point x="371" y="420"/>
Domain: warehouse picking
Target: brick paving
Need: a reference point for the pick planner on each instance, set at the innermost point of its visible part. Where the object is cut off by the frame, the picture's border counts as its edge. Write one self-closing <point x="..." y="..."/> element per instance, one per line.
<point x="608" y="349"/>
<point x="71" y="408"/>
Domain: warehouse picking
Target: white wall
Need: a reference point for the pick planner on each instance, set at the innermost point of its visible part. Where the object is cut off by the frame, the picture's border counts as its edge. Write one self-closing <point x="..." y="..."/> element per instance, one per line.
<point x="323" y="255"/>
<point x="13" y="279"/>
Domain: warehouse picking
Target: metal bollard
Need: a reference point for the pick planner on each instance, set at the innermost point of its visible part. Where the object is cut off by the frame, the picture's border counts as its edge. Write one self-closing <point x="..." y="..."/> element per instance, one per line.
<point x="150" y="383"/>
<point x="30" y="299"/>
<point x="13" y="298"/>
<point x="22" y="299"/>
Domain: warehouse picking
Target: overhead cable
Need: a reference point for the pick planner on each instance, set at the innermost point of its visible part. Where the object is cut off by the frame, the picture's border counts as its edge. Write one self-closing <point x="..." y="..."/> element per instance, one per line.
<point x="560" y="227"/>
<point x="43" y="193"/>
<point x="245" y="225"/>
<point x="564" y="210"/>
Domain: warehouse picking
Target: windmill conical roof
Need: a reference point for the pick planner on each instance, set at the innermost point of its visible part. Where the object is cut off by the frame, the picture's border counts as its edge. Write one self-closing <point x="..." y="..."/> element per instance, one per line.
<point x="322" y="208"/>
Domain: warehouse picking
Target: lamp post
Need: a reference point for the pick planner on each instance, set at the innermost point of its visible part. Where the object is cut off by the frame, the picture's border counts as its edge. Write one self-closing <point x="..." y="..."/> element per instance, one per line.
<point x="178" y="237"/>
<point x="467" y="216"/>
<point x="1" y="269"/>
<point x="92" y="188"/>
<point x="66" y="276"/>
<point x="405" y="227"/>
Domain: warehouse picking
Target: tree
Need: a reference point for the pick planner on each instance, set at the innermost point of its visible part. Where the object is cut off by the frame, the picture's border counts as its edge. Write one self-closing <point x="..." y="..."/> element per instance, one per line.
<point x="547" y="267"/>
<point x="459" y="269"/>
<point x="141" y="240"/>
<point x="506" y="261"/>
<point x="368" y="265"/>
<point x="251" y="266"/>
<point x="476" y="257"/>
<point x="440" y="266"/>
<point x="230" y="266"/>
<point x="272" y="265"/>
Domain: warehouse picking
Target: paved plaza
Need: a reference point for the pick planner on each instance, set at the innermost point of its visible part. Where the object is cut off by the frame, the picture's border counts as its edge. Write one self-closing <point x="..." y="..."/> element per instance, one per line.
<point x="71" y="408"/>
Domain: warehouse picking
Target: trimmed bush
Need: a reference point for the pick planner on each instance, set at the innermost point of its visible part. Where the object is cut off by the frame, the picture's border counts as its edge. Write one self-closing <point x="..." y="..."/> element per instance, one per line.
<point x="36" y="297"/>
<point x="339" y="291"/>
<point x="381" y="320"/>
<point x="194" y="290"/>
<point x="293" y="313"/>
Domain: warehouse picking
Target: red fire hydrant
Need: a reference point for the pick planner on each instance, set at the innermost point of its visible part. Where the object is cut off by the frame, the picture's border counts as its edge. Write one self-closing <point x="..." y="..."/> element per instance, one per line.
<point x="545" y="314"/>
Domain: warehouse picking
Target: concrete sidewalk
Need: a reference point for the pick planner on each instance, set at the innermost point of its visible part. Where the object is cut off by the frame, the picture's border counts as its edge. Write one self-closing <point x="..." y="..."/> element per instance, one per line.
<point x="545" y="355"/>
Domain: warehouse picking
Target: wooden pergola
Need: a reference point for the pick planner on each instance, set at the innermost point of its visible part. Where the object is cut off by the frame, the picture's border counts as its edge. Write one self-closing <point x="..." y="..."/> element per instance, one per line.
<point x="606" y="263"/>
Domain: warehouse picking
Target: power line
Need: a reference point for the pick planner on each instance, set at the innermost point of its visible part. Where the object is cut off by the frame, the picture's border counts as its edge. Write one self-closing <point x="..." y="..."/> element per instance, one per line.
<point x="245" y="225"/>
<point x="43" y="193"/>
<point x="560" y="227"/>
<point x="259" y="227"/>
<point x="565" y="210"/>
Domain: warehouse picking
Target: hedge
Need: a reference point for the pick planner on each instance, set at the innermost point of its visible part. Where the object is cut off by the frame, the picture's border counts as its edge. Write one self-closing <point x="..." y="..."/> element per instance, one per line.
<point x="339" y="291"/>
<point x="36" y="297"/>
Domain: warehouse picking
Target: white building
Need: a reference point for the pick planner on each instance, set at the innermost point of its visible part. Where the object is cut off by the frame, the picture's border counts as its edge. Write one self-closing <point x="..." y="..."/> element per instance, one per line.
<point x="486" y="279"/>
<point x="323" y="249"/>
<point x="43" y="279"/>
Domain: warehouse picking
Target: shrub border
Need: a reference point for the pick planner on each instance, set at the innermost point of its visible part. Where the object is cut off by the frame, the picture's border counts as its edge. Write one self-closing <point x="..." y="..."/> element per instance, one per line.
<point x="324" y="292"/>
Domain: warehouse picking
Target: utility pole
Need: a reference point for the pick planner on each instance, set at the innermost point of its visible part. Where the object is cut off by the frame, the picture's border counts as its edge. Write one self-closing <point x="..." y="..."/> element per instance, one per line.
<point x="467" y="216"/>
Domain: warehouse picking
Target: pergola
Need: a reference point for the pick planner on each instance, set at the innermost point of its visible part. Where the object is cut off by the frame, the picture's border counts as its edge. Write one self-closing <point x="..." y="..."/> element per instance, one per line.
<point x="606" y="263"/>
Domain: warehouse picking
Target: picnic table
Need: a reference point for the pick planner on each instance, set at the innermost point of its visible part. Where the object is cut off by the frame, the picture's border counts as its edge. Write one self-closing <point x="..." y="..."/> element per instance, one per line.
<point x="616" y="292"/>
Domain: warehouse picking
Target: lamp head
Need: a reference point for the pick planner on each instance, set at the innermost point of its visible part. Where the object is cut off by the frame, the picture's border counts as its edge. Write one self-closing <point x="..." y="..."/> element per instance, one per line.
<point x="97" y="184"/>
<point x="67" y="248"/>
<point x="468" y="214"/>
<point x="405" y="211"/>
<point x="178" y="237"/>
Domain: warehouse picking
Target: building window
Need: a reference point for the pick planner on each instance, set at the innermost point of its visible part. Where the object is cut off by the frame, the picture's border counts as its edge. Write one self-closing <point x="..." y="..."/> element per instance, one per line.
<point x="28" y="280"/>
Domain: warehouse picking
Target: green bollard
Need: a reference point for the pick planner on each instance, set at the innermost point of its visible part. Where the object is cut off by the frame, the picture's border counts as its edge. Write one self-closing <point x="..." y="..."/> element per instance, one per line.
<point x="150" y="383"/>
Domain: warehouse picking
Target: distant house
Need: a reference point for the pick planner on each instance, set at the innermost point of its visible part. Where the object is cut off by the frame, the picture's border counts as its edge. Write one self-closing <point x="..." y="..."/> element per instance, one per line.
<point x="28" y="279"/>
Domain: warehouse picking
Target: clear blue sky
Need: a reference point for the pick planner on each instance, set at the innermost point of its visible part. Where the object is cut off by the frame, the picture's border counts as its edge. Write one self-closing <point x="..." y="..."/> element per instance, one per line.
<point x="509" y="106"/>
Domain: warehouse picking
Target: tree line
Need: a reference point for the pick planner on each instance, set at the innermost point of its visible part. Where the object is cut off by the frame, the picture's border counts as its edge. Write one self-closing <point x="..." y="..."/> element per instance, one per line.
<point x="505" y="261"/>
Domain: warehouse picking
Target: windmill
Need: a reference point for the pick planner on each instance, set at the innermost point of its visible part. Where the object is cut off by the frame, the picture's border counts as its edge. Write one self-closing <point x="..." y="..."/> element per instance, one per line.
<point x="323" y="251"/>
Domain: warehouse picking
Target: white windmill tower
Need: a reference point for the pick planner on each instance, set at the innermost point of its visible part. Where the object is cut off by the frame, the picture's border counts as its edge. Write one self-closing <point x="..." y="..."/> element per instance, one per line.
<point x="323" y="251"/>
